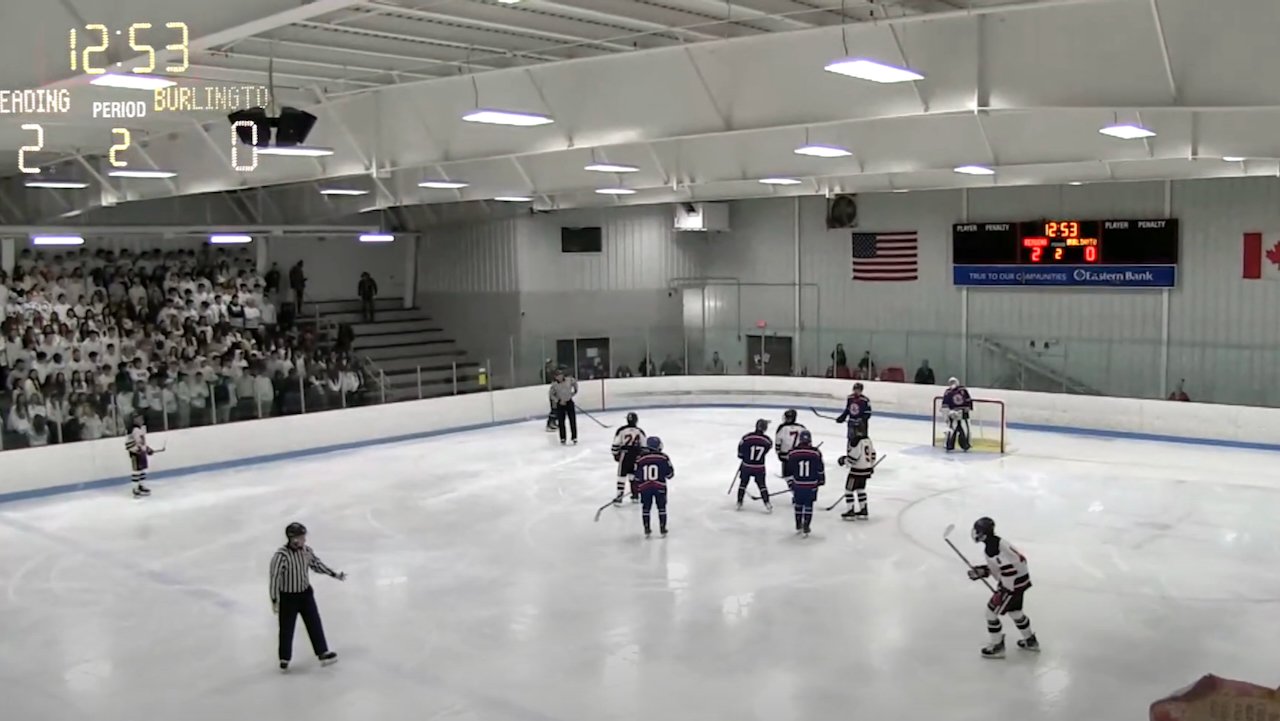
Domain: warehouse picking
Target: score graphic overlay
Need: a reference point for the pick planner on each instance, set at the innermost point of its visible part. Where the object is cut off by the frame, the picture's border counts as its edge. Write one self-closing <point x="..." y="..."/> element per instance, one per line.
<point x="1099" y="253"/>
<point x="118" y="85"/>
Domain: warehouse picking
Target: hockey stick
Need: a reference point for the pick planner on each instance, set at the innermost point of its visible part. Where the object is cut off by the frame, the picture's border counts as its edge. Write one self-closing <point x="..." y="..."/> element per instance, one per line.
<point x="946" y="537"/>
<point x="732" y="483"/>
<point x="842" y="498"/>
<point x="754" y="497"/>
<point x="816" y="413"/>
<point x="601" y="509"/>
<point x="588" y="415"/>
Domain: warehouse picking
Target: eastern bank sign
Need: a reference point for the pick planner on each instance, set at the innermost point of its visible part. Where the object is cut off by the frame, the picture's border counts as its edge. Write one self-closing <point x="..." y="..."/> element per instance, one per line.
<point x="1094" y="276"/>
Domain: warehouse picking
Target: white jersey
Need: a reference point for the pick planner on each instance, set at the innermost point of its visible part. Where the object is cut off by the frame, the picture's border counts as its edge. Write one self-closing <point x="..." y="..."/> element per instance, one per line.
<point x="1007" y="564"/>
<point x="136" y="441"/>
<point x="787" y="437"/>
<point x="861" y="458"/>
<point x="627" y="439"/>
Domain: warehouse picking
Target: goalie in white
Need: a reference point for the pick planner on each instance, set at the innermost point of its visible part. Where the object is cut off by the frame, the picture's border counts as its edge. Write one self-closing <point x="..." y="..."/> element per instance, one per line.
<point x="860" y="459"/>
<point x="957" y="403"/>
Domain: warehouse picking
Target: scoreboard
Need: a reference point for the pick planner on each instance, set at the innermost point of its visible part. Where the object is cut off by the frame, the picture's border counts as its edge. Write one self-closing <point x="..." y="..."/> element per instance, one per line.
<point x="1103" y="253"/>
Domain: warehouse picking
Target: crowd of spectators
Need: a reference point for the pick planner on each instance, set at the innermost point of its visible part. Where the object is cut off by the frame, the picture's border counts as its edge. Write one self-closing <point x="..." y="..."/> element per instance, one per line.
<point x="181" y="337"/>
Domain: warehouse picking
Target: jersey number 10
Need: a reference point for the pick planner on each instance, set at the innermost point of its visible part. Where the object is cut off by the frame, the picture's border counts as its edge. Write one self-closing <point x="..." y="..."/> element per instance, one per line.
<point x="651" y="473"/>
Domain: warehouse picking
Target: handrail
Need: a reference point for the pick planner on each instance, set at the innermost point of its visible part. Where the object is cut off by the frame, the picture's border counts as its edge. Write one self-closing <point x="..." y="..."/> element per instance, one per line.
<point x="1068" y="383"/>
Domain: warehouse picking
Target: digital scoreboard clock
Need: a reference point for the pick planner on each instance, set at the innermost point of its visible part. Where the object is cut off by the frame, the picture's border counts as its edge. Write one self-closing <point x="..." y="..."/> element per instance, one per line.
<point x="1119" y="253"/>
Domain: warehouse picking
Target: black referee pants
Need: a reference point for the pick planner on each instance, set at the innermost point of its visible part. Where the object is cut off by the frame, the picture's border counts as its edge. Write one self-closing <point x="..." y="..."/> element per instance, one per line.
<point x="569" y="411"/>
<point x="291" y="606"/>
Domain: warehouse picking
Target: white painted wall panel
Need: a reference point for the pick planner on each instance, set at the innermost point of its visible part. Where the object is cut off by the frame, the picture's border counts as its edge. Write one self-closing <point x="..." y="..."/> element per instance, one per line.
<point x="469" y="258"/>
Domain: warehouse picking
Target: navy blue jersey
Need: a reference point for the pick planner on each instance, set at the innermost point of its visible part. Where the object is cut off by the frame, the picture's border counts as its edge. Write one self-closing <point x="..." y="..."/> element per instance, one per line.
<point x="857" y="409"/>
<point x="653" y="470"/>
<point x="753" y="449"/>
<point x="804" y="468"/>
<point x="957" y="398"/>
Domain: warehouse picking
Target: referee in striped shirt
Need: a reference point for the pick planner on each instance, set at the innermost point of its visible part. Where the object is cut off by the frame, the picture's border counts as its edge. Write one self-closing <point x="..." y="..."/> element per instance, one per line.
<point x="291" y="594"/>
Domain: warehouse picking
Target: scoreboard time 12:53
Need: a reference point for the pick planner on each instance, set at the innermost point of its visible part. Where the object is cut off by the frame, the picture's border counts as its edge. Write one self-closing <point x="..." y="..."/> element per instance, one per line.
<point x="1066" y="252"/>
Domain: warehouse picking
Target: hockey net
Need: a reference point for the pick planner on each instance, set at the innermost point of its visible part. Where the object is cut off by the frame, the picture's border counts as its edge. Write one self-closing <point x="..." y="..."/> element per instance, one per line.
<point x="986" y="425"/>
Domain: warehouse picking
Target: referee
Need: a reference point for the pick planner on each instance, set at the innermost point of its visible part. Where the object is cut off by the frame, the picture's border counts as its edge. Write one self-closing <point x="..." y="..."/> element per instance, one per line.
<point x="561" y="393"/>
<point x="291" y="594"/>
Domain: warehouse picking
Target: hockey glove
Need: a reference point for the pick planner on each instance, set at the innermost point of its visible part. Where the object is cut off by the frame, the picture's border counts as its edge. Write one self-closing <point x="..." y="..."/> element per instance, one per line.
<point x="841" y="460"/>
<point x="340" y="575"/>
<point x="275" y="607"/>
<point x="979" y="572"/>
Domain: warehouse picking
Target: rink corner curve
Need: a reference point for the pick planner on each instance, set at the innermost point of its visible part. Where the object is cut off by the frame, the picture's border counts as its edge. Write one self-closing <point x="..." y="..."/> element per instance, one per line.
<point x="53" y="470"/>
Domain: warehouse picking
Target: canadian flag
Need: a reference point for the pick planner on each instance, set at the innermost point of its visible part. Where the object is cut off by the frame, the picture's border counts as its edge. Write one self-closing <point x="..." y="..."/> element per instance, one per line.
<point x="1262" y="256"/>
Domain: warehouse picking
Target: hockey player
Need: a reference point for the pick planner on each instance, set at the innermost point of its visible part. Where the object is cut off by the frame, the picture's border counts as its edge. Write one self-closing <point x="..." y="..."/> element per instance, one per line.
<point x="804" y="472"/>
<point x="136" y="444"/>
<point x="860" y="459"/>
<point x="628" y="442"/>
<point x="957" y="404"/>
<point x="1009" y="567"/>
<point x="752" y="450"/>
<point x="857" y="413"/>
<point x="653" y="470"/>
<point x="787" y="436"/>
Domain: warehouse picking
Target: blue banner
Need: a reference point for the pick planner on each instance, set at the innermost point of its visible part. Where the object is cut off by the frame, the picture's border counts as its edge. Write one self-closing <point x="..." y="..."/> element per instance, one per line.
<point x="1093" y="276"/>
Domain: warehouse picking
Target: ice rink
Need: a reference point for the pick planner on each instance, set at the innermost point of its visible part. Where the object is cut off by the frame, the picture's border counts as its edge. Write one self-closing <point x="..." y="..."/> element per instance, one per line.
<point x="481" y="589"/>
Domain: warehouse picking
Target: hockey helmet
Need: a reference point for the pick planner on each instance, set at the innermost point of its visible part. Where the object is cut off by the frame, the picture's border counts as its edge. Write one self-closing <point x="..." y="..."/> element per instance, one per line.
<point x="138" y="420"/>
<point x="654" y="443"/>
<point x="762" y="426"/>
<point x="983" y="528"/>
<point x="805" y="438"/>
<point x="632" y="419"/>
<point x="953" y="382"/>
<point x="789" y="416"/>
<point x="857" y="388"/>
<point x="294" y="530"/>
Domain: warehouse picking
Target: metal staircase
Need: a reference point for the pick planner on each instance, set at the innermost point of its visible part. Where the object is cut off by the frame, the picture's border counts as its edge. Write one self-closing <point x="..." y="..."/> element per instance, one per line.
<point x="410" y="353"/>
<point x="1025" y="365"/>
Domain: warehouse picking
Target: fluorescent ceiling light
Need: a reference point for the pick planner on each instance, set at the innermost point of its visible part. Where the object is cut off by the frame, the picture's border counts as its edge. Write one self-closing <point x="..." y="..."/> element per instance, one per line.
<point x="144" y="174"/>
<point x="442" y="184"/>
<point x="902" y="190"/>
<point x="377" y="238"/>
<point x="1234" y="158"/>
<point x="975" y="170"/>
<point x="220" y="239"/>
<point x="611" y="168"/>
<point x="1127" y="131"/>
<point x="513" y="199"/>
<point x="343" y="191"/>
<point x="57" y="184"/>
<point x="506" y="117"/>
<point x="57" y="240"/>
<point x="780" y="181"/>
<point x="615" y="191"/>
<point x="297" y="151"/>
<point x="1075" y="182"/>
<point x="132" y="81"/>
<point x="823" y="151"/>
<point x="871" y="70"/>
<point x="508" y="2"/>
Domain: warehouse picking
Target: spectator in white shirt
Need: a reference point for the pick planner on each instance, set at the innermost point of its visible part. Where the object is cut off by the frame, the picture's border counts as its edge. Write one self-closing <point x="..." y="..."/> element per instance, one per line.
<point x="90" y="423"/>
<point x="199" y="399"/>
<point x="38" y="432"/>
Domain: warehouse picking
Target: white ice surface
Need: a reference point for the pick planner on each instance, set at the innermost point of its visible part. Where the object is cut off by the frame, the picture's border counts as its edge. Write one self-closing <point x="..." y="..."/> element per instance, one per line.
<point x="481" y="589"/>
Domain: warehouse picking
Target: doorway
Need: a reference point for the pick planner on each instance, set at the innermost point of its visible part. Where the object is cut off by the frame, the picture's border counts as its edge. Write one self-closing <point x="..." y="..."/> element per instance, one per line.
<point x="769" y="355"/>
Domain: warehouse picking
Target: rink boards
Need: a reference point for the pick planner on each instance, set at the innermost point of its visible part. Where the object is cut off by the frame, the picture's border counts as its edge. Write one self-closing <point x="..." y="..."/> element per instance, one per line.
<point x="36" y="472"/>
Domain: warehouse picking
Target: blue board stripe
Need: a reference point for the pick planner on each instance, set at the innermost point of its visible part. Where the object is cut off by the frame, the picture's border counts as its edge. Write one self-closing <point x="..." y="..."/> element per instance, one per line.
<point x="353" y="445"/>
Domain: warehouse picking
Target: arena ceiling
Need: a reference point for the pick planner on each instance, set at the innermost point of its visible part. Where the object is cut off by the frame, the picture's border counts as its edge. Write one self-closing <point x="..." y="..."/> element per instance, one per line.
<point x="703" y="97"/>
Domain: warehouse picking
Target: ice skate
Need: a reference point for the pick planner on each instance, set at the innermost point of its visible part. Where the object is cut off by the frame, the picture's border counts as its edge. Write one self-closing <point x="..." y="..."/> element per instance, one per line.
<point x="140" y="491"/>
<point x="635" y="499"/>
<point x="768" y="507"/>
<point x="562" y="442"/>
<point x="647" y="533"/>
<point x="995" y="650"/>
<point x="861" y="515"/>
<point x="617" y="501"/>
<point x="850" y="514"/>
<point x="284" y="666"/>
<point x="575" y="441"/>
<point x="1029" y="644"/>
<point x="328" y="658"/>
<point x="739" y="506"/>
<point x="663" y="532"/>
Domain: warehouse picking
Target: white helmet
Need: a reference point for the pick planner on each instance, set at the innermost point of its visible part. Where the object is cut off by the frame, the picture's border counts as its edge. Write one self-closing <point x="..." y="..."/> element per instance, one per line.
<point x="952" y="382"/>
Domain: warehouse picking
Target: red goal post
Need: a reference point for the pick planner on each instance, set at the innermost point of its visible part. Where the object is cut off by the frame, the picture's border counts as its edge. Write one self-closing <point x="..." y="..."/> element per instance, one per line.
<point x="987" y="428"/>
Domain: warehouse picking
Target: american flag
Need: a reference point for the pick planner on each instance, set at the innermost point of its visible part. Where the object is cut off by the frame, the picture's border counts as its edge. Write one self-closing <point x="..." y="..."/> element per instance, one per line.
<point x="886" y="256"/>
